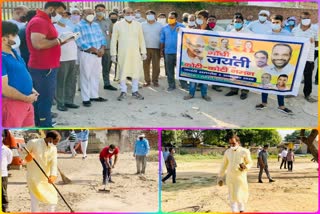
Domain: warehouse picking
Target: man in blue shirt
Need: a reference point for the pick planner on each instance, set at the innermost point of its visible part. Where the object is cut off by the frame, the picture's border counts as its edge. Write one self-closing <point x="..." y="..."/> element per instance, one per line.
<point x="92" y="45"/>
<point x="84" y="137"/>
<point x="141" y="149"/>
<point x="168" y="46"/>
<point x="17" y="91"/>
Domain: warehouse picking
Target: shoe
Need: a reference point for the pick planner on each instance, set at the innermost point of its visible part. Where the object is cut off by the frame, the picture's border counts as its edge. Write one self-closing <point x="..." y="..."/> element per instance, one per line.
<point x="122" y="96"/>
<point x="260" y="106"/>
<point x="146" y="84"/>
<point x="163" y="181"/>
<point x="111" y="181"/>
<point x="243" y="96"/>
<point x="84" y="157"/>
<point x="99" y="99"/>
<point x="137" y="173"/>
<point x="137" y="95"/>
<point x="86" y="103"/>
<point x="62" y="107"/>
<point x="171" y="88"/>
<point x="188" y="97"/>
<point x="311" y="99"/>
<point x="286" y="111"/>
<point x="71" y="105"/>
<point x="231" y="93"/>
<point x="155" y="84"/>
<point x="54" y="115"/>
<point x="129" y="78"/>
<point x="206" y="98"/>
<point x="289" y="96"/>
<point x="260" y="181"/>
<point x="110" y="87"/>
<point x="216" y="88"/>
<point x="270" y="180"/>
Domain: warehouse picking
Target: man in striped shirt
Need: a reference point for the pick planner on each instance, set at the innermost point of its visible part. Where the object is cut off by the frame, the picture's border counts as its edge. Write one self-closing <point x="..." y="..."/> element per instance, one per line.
<point x="92" y="45"/>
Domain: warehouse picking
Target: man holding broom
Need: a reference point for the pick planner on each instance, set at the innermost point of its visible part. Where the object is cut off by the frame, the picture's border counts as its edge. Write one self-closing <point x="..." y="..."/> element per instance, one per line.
<point x="236" y="162"/>
<point x="40" y="188"/>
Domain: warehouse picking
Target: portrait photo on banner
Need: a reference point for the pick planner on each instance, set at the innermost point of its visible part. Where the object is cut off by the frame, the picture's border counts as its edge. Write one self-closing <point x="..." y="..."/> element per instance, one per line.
<point x="262" y="63"/>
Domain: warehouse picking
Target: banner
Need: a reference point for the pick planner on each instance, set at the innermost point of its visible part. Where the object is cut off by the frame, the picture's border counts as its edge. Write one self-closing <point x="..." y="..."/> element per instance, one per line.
<point x="257" y="62"/>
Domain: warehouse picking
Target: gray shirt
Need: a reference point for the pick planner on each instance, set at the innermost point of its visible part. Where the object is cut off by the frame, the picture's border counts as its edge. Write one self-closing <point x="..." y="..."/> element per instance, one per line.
<point x="151" y="33"/>
<point x="105" y="27"/>
<point x="264" y="156"/>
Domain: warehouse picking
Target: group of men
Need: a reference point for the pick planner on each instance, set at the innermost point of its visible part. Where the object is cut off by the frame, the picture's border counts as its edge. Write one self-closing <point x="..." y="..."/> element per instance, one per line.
<point x="57" y="43"/>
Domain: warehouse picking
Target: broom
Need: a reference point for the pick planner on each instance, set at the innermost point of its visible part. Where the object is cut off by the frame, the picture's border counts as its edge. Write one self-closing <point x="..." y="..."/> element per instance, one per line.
<point x="65" y="179"/>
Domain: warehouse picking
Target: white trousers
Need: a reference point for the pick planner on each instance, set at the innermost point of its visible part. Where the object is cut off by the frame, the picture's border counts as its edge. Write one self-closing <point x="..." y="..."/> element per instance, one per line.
<point x="73" y="151"/>
<point x="237" y="207"/>
<point x="35" y="205"/>
<point x="135" y="85"/>
<point x="90" y="72"/>
<point x="84" y="145"/>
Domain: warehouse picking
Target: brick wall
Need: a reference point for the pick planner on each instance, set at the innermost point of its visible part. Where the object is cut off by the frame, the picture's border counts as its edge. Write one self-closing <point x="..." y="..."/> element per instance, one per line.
<point x="222" y="12"/>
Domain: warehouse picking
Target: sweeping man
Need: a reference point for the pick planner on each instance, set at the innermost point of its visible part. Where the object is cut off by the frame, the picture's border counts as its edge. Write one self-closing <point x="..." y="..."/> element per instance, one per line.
<point x="236" y="161"/>
<point x="40" y="188"/>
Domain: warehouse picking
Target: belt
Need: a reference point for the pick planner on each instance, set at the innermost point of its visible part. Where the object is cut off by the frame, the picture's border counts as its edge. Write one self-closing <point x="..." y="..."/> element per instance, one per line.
<point x="88" y="52"/>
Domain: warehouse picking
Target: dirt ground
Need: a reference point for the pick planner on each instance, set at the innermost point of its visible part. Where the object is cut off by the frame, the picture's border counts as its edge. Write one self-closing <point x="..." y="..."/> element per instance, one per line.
<point x="129" y="193"/>
<point x="197" y="190"/>
<point x="160" y="106"/>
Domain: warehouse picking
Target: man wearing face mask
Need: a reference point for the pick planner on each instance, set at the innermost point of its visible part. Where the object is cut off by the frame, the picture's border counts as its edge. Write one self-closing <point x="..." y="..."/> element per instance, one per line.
<point x="75" y="17"/>
<point x="44" y="46"/>
<point x="277" y="26"/>
<point x="185" y="19"/>
<point x="305" y="30"/>
<point x="212" y="24"/>
<point x="130" y="53"/>
<point x="44" y="151"/>
<point x="151" y="32"/>
<point x="105" y="25"/>
<point x="235" y="165"/>
<point x="17" y="91"/>
<point x="138" y="16"/>
<point x="168" y="48"/>
<point x="191" y="22"/>
<point x="19" y="16"/>
<point x="162" y="19"/>
<point x="263" y="164"/>
<point x="140" y="152"/>
<point x="92" y="47"/>
<point x="290" y="23"/>
<point x="106" y="162"/>
<point x="262" y="25"/>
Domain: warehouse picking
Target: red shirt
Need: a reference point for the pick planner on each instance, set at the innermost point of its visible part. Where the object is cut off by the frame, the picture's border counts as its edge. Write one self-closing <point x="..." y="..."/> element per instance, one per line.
<point x="105" y="153"/>
<point x="44" y="58"/>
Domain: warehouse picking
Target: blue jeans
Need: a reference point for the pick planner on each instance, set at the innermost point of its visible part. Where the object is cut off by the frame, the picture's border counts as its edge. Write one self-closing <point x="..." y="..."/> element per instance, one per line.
<point x="170" y="63"/>
<point x="45" y="82"/>
<point x="280" y="99"/>
<point x="106" y="174"/>
<point x="193" y="87"/>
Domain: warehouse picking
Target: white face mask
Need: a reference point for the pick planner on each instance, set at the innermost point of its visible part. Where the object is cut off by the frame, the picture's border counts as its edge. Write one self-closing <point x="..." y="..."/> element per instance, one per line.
<point x="262" y="18"/>
<point x="192" y="23"/>
<point x="56" y="18"/>
<point x="162" y="21"/>
<point x="17" y="41"/>
<point x="234" y="148"/>
<point x="90" y="18"/>
<point x="110" y="151"/>
<point x="306" y="22"/>
<point x="150" y="17"/>
<point x="138" y="15"/>
<point x="129" y="18"/>
<point x="199" y="21"/>
<point x="276" y="26"/>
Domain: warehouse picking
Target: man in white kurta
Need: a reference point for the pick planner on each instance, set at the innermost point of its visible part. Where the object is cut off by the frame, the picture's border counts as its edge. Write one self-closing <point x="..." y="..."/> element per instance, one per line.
<point x="236" y="162"/>
<point x="130" y="53"/>
<point x="41" y="189"/>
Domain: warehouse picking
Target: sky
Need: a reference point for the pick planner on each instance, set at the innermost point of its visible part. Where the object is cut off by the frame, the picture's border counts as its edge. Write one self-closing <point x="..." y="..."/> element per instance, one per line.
<point x="284" y="132"/>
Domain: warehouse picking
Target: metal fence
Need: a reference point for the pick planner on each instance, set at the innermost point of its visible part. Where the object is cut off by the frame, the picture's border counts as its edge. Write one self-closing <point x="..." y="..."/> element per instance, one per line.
<point x="7" y="7"/>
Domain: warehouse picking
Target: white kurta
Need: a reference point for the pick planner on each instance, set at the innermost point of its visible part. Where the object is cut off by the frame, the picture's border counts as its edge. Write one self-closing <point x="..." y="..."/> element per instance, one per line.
<point x="37" y="183"/>
<point x="236" y="180"/>
<point x="131" y="45"/>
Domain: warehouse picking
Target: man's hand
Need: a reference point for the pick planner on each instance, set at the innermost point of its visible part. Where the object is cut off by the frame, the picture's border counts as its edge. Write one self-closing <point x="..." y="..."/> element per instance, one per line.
<point x="262" y="165"/>
<point x="52" y="179"/>
<point x="312" y="40"/>
<point x="31" y="98"/>
<point x="220" y="182"/>
<point x="100" y="52"/>
<point x="114" y="59"/>
<point x="143" y="57"/>
<point x="161" y="53"/>
<point x="29" y="157"/>
<point x="242" y="167"/>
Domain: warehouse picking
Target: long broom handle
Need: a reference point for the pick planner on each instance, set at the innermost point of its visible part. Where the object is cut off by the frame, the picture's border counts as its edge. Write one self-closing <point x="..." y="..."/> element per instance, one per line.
<point x="71" y="210"/>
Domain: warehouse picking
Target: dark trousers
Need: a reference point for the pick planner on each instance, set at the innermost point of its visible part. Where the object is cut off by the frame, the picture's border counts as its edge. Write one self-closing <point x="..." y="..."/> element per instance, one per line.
<point x="170" y="63"/>
<point x="243" y="91"/>
<point x="284" y="161"/>
<point x="106" y="66"/>
<point x="307" y="74"/>
<point x="290" y="165"/>
<point x="4" y="197"/>
<point x="66" y="82"/>
<point x="266" y="170"/>
<point x="264" y="97"/>
<point x="171" y="172"/>
<point x="106" y="174"/>
<point x="45" y="82"/>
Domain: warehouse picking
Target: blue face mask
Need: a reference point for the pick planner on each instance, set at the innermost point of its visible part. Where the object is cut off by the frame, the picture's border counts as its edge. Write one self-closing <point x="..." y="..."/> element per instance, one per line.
<point x="237" y="25"/>
<point x="291" y="22"/>
<point x="64" y="21"/>
<point x="247" y="22"/>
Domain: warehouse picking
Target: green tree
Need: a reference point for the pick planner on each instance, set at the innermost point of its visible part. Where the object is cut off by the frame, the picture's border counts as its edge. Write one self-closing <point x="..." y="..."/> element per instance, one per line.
<point x="295" y="135"/>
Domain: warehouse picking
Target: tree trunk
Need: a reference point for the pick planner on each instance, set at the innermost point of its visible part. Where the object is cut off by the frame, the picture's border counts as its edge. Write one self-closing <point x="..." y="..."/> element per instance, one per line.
<point x="309" y="142"/>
